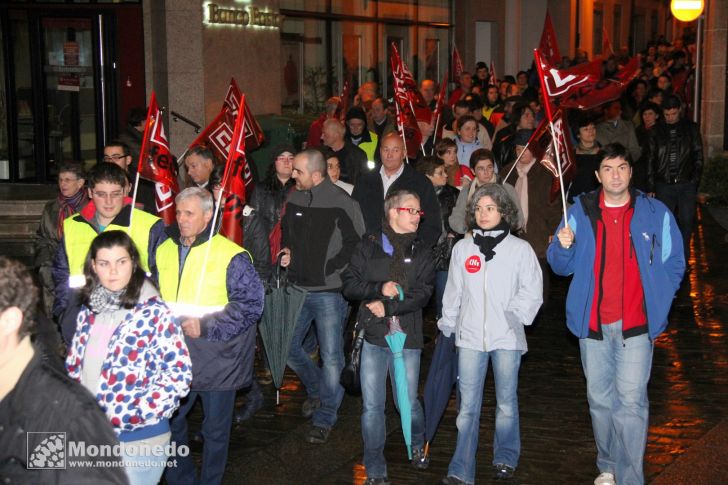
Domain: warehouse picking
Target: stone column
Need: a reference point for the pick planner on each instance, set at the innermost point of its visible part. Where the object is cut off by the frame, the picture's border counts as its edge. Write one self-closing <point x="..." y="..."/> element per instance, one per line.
<point x="714" y="72"/>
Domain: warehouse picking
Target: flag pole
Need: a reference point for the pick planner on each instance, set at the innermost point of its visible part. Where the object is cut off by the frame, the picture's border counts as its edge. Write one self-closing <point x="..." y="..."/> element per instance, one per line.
<point x="400" y="125"/>
<point x="209" y="244"/>
<point x="516" y="162"/>
<point x="434" y="134"/>
<point x="558" y="166"/>
<point x="133" y="201"/>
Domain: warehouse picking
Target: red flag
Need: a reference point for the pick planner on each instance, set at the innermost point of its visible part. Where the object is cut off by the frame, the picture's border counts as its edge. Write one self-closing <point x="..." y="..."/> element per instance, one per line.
<point x="237" y="172"/>
<point x="457" y="65"/>
<point x="406" y="120"/>
<point x="607" y="50"/>
<point x="253" y="132"/>
<point x="218" y="134"/>
<point x="548" y="45"/>
<point x="605" y="90"/>
<point x="492" y="79"/>
<point x="437" y="113"/>
<point x="344" y="100"/>
<point x="563" y="84"/>
<point x="157" y="164"/>
<point x="544" y="147"/>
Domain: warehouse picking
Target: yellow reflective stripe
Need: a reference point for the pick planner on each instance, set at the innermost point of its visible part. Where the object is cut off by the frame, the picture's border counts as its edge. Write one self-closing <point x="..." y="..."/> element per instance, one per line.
<point x="190" y="310"/>
<point x="76" y="281"/>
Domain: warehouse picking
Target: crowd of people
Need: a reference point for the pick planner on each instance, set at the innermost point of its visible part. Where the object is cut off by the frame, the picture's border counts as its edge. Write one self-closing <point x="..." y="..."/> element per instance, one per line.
<point x="153" y="317"/>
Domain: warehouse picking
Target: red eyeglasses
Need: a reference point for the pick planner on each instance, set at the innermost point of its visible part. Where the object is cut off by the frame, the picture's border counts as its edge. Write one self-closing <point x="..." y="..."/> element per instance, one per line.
<point x="412" y="211"/>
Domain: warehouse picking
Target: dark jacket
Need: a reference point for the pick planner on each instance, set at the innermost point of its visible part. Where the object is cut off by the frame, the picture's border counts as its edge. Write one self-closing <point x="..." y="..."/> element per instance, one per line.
<point x="322" y="226"/>
<point x="447" y="196"/>
<point x="222" y="357"/>
<point x="656" y="241"/>
<point x="369" y="191"/>
<point x="268" y="199"/>
<point x="47" y="401"/>
<point x="689" y="146"/>
<point x="504" y="147"/>
<point x="46" y="243"/>
<point x="365" y="276"/>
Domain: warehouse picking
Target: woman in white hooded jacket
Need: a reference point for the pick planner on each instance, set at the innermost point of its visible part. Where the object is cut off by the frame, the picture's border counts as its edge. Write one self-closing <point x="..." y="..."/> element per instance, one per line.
<point x="494" y="289"/>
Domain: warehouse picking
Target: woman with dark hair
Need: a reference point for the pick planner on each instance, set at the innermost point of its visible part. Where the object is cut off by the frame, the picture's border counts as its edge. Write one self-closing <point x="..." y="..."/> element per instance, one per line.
<point x="447" y="195"/>
<point x="649" y="114"/>
<point x="504" y="146"/>
<point x="482" y="164"/>
<point x="467" y="138"/>
<point x="587" y="157"/>
<point x="493" y="290"/>
<point x="269" y="196"/>
<point x="391" y="272"/>
<point x="457" y="173"/>
<point x="129" y="352"/>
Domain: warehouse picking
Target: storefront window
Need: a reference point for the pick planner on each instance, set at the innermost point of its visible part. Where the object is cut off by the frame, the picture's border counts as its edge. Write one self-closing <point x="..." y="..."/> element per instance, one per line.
<point x="25" y="117"/>
<point x="304" y="5"/>
<point x="305" y="70"/>
<point x="397" y="9"/>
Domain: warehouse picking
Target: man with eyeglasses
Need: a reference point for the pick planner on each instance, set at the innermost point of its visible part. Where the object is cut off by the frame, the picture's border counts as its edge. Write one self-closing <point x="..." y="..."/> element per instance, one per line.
<point x="109" y="209"/>
<point x="394" y="174"/>
<point x="118" y="153"/>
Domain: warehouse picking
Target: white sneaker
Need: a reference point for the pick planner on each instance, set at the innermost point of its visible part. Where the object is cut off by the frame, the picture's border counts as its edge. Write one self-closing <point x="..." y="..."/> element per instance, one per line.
<point x="605" y="479"/>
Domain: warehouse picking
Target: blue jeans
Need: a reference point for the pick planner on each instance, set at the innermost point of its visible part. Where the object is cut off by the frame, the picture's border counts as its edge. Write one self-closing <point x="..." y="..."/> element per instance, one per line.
<point x="472" y="368"/>
<point x="440" y="282"/>
<point x="217" y="407"/>
<point x="328" y="310"/>
<point x="376" y="361"/>
<point x="151" y="466"/>
<point x="617" y="372"/>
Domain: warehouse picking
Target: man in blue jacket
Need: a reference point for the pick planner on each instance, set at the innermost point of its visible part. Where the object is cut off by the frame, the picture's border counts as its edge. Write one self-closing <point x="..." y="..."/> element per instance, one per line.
<point x="625" y="252"/>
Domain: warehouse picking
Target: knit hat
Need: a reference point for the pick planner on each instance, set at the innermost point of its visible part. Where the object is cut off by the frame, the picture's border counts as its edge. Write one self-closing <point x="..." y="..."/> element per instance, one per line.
<point x="522" y="136"/>
<point x="281" y="148"/>
<point x="356" y="112"/>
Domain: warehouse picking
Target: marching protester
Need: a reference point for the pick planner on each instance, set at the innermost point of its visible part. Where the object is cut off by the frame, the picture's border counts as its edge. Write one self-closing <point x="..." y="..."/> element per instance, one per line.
<point x="109" y="209"/>
<point x="458" y="174"/>
<point x="493" y="290"/>
<point x="625" y="252"/>
<point x="72" y="197"/>
<point x="199" y="162"/>
<point x="321" y="228"/>
<point x="36" y="397"/>
<point x="219" y="328"/>
<point x="392" y="273"/>
<point x="118" y="153"/>
<point x="125" y="333"/>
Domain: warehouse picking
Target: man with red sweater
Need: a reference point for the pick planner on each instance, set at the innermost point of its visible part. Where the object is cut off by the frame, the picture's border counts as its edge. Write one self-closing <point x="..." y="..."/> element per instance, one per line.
<point x="626" y="254"/>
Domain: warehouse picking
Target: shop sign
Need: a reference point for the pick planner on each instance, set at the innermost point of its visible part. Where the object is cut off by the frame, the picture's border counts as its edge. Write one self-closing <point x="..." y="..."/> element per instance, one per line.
<point x="249" y="16"/>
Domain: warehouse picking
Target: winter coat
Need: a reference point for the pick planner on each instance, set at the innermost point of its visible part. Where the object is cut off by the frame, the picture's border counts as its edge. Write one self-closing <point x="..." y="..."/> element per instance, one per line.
<point x="369" y="269"/>
<point x="146" y="353"/>
<point x="46" y="400"/>
<point x="268" y="199"/>
<point x="46" y="243"/>
<point x="689" y="154"/>
<point x="656" y="241"/>
<point x="369" y="192"/>
<point x="623" y="132"/>
<point x="322" y="226"/>
<point x="447" y="196"/>
<point x="507" y="291"/>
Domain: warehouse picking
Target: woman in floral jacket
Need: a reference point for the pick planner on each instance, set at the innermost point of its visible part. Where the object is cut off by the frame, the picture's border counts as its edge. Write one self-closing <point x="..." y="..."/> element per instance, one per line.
<point x="130" y="354"/>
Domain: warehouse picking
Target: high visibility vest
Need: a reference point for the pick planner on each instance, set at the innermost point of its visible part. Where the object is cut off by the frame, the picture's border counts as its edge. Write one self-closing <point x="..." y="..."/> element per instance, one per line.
<point x="370" y="147"/>
<point x="208" y="281"/>
<point x="78" y="234"/>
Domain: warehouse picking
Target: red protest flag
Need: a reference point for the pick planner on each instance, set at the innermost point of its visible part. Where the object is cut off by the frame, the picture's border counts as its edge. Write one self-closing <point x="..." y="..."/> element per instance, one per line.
<point x="237" y="171"/>
<point x="437" y="113"/>
<point x="457" y="65"/>
<point x="218" y="134"/>
<point x="607" y="50"/>
<point x="406" y="120"/>
<point x="343" y="107"/>
<point x="254" y="136"/>
<point x="157" y="164"/>
<point x="605" y="90"/>
<point x="492" y="79"/>
<point x="561" y="84"/>
<point x="543" y="145"/>
<point x="548" y="45"/>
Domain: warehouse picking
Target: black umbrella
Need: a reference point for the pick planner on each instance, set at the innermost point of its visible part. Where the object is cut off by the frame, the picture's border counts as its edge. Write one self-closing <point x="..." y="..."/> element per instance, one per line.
<point x="441" y="378"/>
<point x="283" y="304"/>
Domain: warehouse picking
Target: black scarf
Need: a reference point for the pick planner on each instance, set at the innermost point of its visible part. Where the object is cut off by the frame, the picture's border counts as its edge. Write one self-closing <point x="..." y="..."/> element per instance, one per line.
<point x="401" y="244"/>
<point x="487" y="244"/>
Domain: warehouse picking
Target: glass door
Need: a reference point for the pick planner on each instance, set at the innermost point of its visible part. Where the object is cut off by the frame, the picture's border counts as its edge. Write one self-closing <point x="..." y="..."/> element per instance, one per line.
<point x="70" y="54"/>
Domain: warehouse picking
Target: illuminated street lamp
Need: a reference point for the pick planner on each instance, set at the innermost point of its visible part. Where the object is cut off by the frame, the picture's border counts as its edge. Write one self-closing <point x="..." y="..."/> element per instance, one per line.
<point x="687" y="10"/>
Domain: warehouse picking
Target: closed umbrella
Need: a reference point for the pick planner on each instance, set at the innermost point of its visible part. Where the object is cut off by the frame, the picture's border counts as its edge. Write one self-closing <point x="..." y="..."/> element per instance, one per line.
<point x="441" y="378"/>
<point x="395" y="339"/>
<point x="283" y="303"/>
